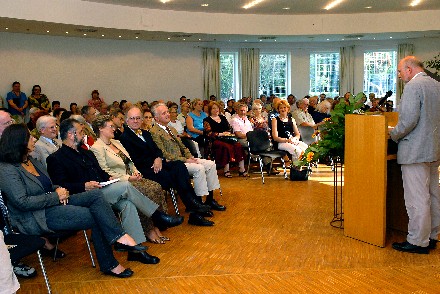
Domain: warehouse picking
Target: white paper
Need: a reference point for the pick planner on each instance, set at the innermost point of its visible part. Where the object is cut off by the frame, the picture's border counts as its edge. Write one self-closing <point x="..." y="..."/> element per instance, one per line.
<point x="103" y="184"/>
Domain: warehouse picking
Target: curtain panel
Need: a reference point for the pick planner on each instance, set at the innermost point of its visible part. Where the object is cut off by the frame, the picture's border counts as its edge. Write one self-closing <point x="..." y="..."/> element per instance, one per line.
<point x="403" y="50"/>
<point x="249" y="72"/>
<point x="346" y="70"/>
<point x="211" y="72"/>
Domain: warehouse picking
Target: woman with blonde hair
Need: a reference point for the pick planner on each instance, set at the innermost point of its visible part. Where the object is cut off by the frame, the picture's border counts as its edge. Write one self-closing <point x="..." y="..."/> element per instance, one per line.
<point x="194" y="121"/>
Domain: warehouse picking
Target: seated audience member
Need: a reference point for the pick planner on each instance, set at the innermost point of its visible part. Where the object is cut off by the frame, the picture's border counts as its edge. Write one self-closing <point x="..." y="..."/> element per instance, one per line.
<point x="66" y="115"/>
<point x="184" y="110"/>
<point x="38" y="100"/>
<point x="389" y="105"/>
<point x="273" y="113"/>
<point x="291" y="99"/>
<point x="147" y="120"/>
<point x="212" y="98"/>
<point x="32" y="112"/>
<point x="230" y="107"/>
<point x="203" y="171"/>
<point x="124" y="105"/>
<point x="55" y="105"/>
<point x="241" y="125"/>
<point x="150" y="162"/>
<point x="17" y="102"/>
<point x="322" y="111"/>
<point x="145" y="106"/>
<point x="302" y="116"/>
<point x="184" y="137"/>
<point x="78" y="170"/>
<point x="74" y="108"/>
<point x="313" y="102"/>
<point x="258" y="121"/>
<point x="57" y="112"/>
<point x="37" y="207"/>
<point x="96" y="101"/>
<point x="375" y="107"/>
<point x="182" y="100"/>
<point x="194" y="122"/>
<point x="48" y="142"/>
<point x="224" y="148"/>
<point x="5" y="121"/>
<point x="89" y="113"/>
<point x="114" y="160"/>
<point x="118" y="120"/>
<point x="322" y="97"/>
<point x="88" y="140"/>
<point x="285" y="133"/>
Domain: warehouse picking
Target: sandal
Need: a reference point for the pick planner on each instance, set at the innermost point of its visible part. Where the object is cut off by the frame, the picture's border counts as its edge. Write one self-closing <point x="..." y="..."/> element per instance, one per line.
<point x="228" y="174"/>
<point x="154" y="238"/>
<point x="163" y="238"/>
<point x="243" y="174"/>
<point x="51" y="253"/>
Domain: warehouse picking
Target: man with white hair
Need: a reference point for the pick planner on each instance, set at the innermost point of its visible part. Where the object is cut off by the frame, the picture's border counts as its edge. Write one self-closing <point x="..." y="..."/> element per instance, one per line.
<point x="48" y="142"/>
<point x="5" y="121"/>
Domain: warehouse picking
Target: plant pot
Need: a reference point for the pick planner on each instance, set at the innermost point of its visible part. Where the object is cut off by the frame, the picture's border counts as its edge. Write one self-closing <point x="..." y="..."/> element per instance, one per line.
<point x="299" y="174"/>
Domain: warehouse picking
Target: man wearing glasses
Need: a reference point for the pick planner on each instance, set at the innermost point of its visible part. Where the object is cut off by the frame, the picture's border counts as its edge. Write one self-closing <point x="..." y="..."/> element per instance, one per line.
<point x="48" y="142"/>
<point x="5" y="121"/>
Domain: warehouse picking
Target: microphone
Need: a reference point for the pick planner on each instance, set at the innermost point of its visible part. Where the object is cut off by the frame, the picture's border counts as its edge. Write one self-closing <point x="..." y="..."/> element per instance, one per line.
<point x="384" y="99"/>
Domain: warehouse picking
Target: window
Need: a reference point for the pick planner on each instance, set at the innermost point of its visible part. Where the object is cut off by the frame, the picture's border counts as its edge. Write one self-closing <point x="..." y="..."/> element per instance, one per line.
<point x="324" y="74"/>
<point x="228" y="76"/>
<point x="273" y="74"/>
<point x="380" y="72"/>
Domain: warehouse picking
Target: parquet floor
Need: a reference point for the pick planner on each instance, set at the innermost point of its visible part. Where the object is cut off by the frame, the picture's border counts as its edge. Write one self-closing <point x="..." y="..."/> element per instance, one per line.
<point x="273" y="238"/>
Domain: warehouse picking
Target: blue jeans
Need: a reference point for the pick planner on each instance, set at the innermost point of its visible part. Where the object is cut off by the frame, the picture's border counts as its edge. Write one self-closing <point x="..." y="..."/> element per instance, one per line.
<point x="89" y="210"/>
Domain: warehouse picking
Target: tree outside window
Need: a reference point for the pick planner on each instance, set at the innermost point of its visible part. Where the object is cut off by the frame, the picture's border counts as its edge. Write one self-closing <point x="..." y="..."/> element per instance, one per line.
<point x="380" y="72"/>
<point x="227" y="76"/>
<point x="273" y="75"/>
<point x="324" y="74"/>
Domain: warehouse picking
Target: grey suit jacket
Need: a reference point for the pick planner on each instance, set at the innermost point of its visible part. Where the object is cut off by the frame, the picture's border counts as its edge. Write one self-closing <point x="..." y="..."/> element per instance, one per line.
<point x="418" y="129"/>
<point x="26" y="198"/>
<point x="43" y="149"/>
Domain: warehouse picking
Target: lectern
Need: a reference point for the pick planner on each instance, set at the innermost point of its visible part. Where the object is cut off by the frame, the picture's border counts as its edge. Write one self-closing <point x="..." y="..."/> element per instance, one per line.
<point x="372" y="180"/>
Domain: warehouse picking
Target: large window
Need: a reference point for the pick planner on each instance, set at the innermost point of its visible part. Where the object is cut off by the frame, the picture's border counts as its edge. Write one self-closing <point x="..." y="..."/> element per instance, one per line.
<point x="273" y="74"/>
<point x="228" y="70"/>
<point x="324" y="74"/>
<point x="380" y="68"/>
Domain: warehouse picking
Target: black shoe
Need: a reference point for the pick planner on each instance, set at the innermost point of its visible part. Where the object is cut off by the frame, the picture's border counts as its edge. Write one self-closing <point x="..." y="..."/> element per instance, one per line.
<point x="122" y="247"/>
<point x="198" y="220"/>
<point x="410" y="248"/>
<point x="206" y="213"/>
<point x="51" y="253"/>
<point x="161" y="220"/>
<point x="215" y="205"/>
<point x="432" y="244"/>
<point x="197" y="207"/>
<point x="142" y="257"/>
<point x="125" y="274"/>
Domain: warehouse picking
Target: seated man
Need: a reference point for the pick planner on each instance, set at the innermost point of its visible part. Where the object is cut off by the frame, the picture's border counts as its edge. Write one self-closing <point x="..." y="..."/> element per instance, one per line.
<point x="78" y="170"/>
<point x="150" y="162"/>
<point x="48" y="142"/>
<point x="204" y="171"/>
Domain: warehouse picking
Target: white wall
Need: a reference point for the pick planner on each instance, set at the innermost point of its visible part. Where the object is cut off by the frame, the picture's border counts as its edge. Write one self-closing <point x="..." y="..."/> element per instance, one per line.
<point x="68" y="69"/>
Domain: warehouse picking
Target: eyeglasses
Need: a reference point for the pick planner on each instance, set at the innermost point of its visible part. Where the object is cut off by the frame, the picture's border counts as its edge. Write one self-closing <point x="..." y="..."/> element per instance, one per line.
<point x="135" y="118"/>
<point x="113" y="127"/>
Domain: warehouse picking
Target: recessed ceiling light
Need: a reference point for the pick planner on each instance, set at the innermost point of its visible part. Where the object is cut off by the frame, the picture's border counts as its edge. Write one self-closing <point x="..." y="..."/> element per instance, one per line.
<point x="184" y="39"/>
<point x="204" y="5"/>
<point x="368" y="7"/>
<point x="286" y="8"/>
<point x="359" y="38"/>
<point x="275" y="40"/>
<point x="7" y="28"/>
<point x="165" y="1"/>
<point x="47" y="31"/>
<point x="252" y="4"/>
<point x="200" y="39"/>
<point x="245" y="40"/>
<point x="137" y="37"/>
<point x="391" y="37"/>
<point x="120" y="36"/>
<point x="102" y="35"/>
<point x="261" y="40"/>
<point x="374" y="38"/>
<point x="67" y="32"/>
<point x="333" y="4"/>
<point x="415" y="3"/>
<point x="85" y="34"/>
<point x="328" y="39"/>
<point x="343" y="39"/>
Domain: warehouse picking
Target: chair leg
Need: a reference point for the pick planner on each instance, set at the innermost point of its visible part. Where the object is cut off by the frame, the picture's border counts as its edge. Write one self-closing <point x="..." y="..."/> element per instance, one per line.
<point x="56" y="250"/>
<point x="174" y="200"/>
<point x="43" y="270"/>
<point x="220" y="190"/>
<point x="88" y="247"/>
<point x="284" y="167"/>
<point x="260" y="160"/>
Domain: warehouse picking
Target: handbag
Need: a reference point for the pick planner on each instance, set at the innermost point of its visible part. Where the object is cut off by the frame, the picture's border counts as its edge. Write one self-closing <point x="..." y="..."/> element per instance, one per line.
<point x="228" y="139"/>
<point x="299" y="174"/>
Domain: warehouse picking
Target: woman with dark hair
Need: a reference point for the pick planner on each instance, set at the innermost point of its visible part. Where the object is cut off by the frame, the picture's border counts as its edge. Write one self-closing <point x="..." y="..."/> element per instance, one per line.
<point x="74" y="108"/>
<point x="225" y="147"/>
<point x="37" y="207"/>
<point x="38" y="100"/>
<point x="114" y="159"/>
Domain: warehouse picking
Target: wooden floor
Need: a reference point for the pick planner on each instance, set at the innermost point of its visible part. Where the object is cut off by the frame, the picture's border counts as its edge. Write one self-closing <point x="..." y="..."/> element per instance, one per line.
<point x="273" y="238"/>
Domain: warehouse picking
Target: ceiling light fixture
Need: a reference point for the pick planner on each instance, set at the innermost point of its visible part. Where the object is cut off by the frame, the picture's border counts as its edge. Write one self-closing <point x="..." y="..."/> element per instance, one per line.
<point x="102" y="35"/>
<point x="286" y="8"/>
<point x="47" y="31"/>
<point x="333" y="4"/>
<point x="67" y="32"/>
<point x="169" y="38"/>
<point x="165" y="1"/>
<point x="204" y="5"/>
<point x="85" y="34"/>
<point x="120" y="36"/>
<point x="368" y="7"/>
<point x="7" y="28"/>
<point x="415" y="3"/>
<point x="252" y="4"/>
<point x="137" y="37"/>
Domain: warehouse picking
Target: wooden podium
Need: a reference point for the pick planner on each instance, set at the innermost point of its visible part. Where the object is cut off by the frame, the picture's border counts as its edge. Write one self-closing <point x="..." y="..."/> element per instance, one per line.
<point x="369" y="170"/>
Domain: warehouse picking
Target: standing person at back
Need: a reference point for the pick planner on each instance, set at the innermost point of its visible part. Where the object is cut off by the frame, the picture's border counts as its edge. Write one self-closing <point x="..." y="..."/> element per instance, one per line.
<point x="418" y="137"/>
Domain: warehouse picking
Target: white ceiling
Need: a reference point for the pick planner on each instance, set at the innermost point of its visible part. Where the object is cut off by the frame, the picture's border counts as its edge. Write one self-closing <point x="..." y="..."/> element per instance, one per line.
<point x="276" y="6"/>
<point x="268" y="7"/>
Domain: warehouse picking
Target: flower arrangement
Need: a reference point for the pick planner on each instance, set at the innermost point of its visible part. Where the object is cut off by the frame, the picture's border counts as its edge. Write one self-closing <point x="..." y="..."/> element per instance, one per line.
<point x="332" y="133"/>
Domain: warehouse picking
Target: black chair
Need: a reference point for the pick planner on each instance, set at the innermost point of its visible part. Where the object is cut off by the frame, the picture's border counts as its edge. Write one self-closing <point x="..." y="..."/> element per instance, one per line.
<point x="259" y="146"/>
<point x="24" y="244"/>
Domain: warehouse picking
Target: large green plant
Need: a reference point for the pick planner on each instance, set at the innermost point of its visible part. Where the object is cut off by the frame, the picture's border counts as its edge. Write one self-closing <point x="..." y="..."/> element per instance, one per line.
<point x="332" y="133"/>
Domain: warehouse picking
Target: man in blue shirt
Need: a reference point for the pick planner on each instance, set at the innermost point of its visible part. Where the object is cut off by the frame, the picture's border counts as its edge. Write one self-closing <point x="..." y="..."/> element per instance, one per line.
<point x="17" y="101"/>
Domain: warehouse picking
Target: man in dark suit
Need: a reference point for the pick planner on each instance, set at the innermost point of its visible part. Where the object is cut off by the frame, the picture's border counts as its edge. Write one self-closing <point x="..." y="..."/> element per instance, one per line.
<point x="78" y="170"/>
<point x="150" y="162"/>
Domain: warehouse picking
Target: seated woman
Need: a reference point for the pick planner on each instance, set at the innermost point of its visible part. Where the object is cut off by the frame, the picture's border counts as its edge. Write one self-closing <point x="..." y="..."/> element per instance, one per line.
<point x="37" y="207"/>
<point x="258" y="121"/>
<point x="322" y="111"/>
<point x="114" y="159"/>
<point x="224" y="149"/>
<point x="148" y="121"/>
<point x="192" y="146"/>
<point x="96" y="101"/>
<point x="194" y="121"/>
<point x="285" y="133"/>
<point x="38" y="100"/>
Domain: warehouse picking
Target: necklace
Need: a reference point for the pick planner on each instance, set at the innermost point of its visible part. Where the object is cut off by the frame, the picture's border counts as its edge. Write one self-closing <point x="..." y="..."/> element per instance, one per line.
<point x="108" y="144"/>
<point x="26" y="162"/>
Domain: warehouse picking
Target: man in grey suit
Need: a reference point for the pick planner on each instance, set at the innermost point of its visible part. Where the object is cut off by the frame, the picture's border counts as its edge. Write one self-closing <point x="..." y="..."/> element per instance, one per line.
<point x="418" y="137"/>
<point x="48" y="142"/>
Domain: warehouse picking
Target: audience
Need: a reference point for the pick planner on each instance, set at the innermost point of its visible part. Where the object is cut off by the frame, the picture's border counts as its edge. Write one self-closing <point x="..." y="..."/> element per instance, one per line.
<point x="17" y="102"/>
<point x="96" y="101"/>
<point x="38" y="100"/>
<point x="48" y="142"/>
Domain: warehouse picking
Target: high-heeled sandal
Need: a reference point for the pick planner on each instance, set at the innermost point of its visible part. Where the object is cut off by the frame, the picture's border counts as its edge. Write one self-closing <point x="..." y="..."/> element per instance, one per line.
<point x="227" y="174"/>
<point x="156" y="241"/>
<point x="164" y="238"/>
<point x="243" y="174"/>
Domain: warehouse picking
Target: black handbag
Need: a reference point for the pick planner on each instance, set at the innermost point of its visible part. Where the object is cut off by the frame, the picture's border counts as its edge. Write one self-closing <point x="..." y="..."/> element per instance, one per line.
<point x="298" y="174"/>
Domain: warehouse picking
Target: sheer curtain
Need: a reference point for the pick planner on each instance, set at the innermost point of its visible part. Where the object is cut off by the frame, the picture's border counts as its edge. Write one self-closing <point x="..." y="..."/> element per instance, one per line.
<point x="211" y="72"/>
<point x="403" y="50"/>
<point x="249" y="72"/>
<point x="346" y="70"/>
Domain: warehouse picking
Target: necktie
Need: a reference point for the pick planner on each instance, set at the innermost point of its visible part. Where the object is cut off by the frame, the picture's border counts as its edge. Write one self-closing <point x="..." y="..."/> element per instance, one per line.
<point x="55" y="143"/>
<point x="170" y="133"/>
